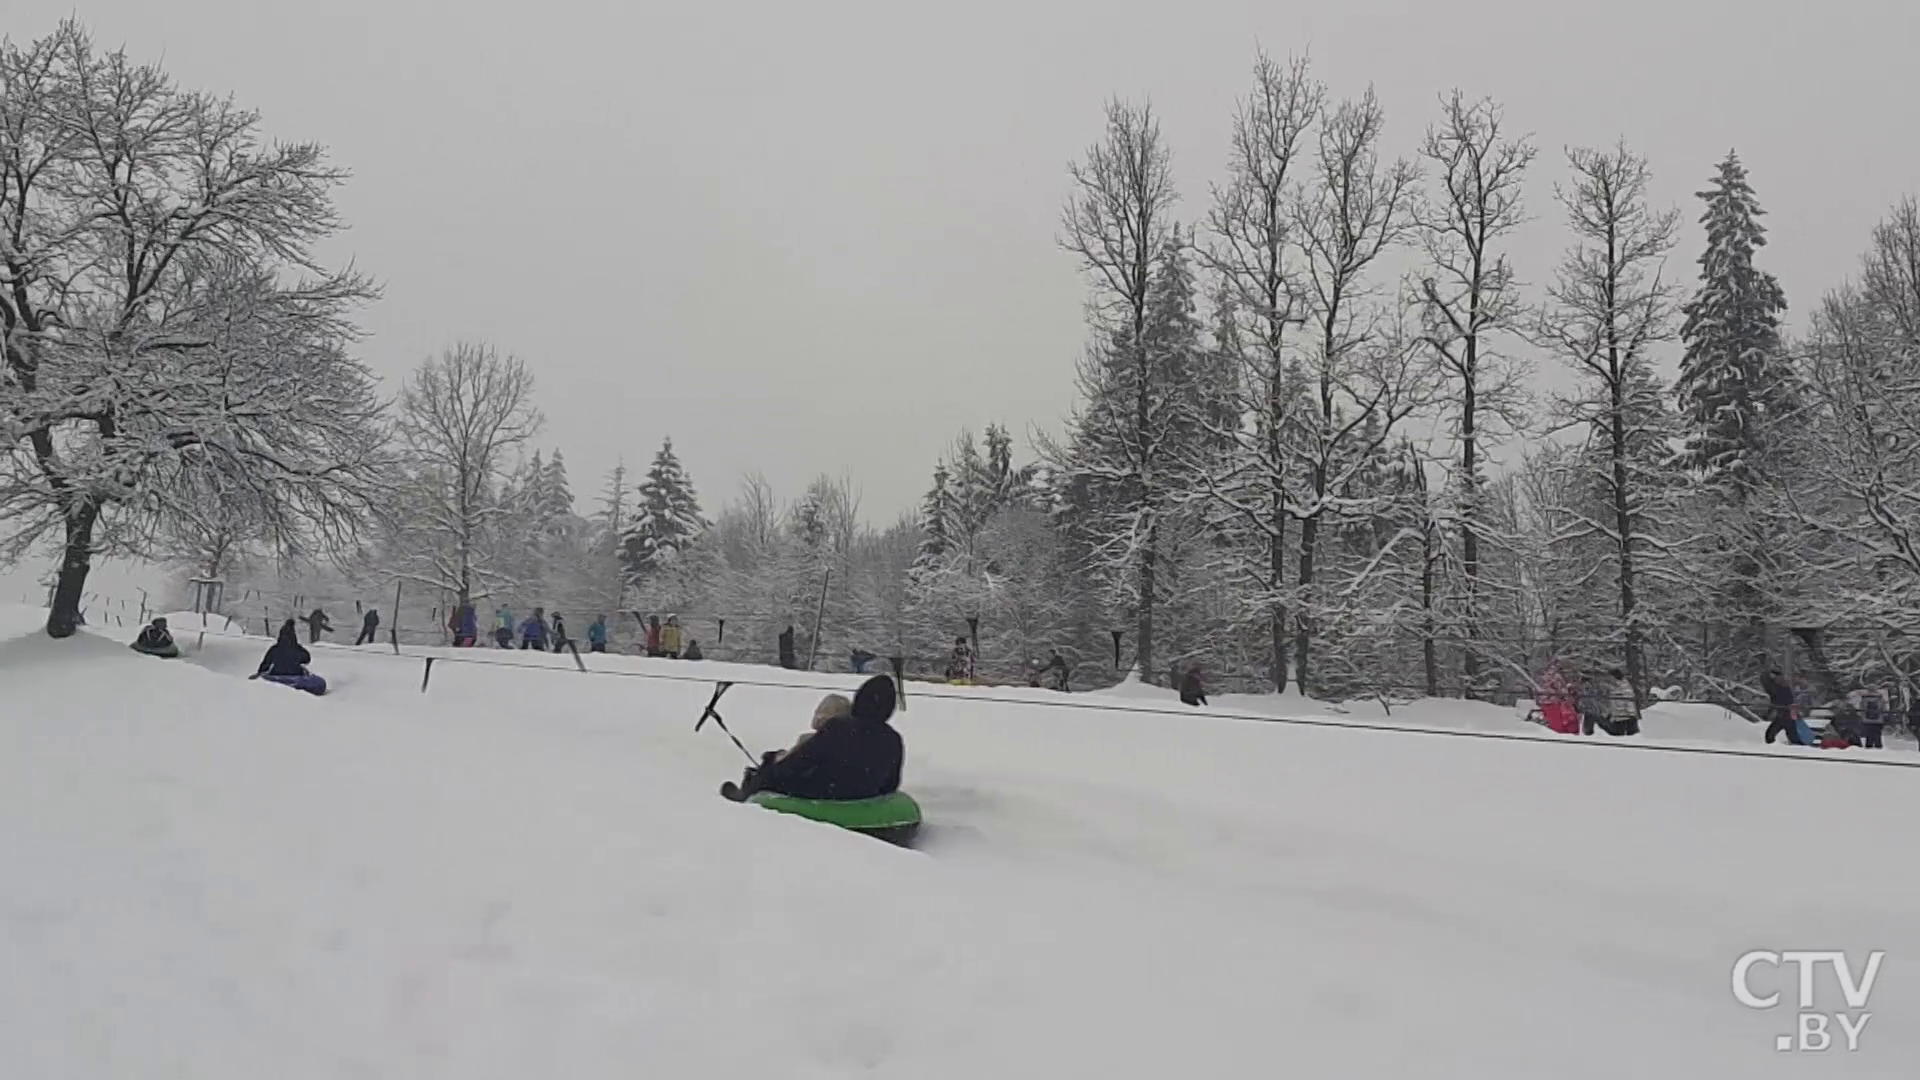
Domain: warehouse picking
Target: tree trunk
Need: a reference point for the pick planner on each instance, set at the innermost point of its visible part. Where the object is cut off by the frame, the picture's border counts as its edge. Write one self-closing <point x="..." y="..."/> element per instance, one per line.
<point x="76" y="560"/>
<point x="1277" y="581"/>
<point x="1143" y="654"/>
<point x="1429" y="652"/>
<point x="1623" y="528"/>
<point x="1469" y="521"/>
<point x="1303" y="637"/>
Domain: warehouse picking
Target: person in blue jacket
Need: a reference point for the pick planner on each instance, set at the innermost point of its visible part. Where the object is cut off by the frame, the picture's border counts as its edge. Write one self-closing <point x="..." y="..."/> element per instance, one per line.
<point x="533" y="632"/>
<point x="597" y="634"/>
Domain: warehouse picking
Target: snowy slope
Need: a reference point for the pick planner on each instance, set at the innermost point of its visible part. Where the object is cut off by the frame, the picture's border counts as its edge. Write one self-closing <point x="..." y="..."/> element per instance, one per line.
<point x="525" y="872"/>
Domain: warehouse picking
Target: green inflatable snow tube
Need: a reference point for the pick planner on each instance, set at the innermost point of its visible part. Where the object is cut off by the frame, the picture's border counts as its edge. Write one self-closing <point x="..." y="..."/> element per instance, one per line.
<point x="890" y="817"/>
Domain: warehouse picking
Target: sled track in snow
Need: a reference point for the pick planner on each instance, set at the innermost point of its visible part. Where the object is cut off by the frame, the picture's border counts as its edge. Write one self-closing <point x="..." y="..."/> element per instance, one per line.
<point x="448" y="655"/>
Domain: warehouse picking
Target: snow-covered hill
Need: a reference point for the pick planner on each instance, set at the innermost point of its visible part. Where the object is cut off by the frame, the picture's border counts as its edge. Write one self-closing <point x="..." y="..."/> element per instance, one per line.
<point x="524" y="871"/>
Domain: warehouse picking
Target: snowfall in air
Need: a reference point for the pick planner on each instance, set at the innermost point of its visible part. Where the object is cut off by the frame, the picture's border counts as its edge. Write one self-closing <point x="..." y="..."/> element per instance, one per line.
<point x="526" y="872"/>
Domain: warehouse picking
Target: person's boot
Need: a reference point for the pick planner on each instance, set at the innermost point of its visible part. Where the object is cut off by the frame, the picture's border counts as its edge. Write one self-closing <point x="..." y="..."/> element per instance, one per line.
<point x="731" y="792"/>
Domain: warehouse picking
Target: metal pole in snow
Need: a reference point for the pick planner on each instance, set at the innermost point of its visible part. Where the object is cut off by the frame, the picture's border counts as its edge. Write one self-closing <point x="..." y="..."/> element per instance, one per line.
<point x="393" y="629"/>
<point x="819" y="615"/>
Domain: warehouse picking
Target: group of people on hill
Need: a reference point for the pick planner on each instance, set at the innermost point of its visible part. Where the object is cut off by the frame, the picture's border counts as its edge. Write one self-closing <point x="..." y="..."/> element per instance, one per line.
<point x="1572" y="703"/>
<point x="1856" y="718"/>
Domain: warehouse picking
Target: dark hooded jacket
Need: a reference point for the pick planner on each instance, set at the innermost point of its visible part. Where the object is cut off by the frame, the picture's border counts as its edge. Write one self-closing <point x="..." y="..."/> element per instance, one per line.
<point x="286" y="657"/>
<point x="858" y="756"/>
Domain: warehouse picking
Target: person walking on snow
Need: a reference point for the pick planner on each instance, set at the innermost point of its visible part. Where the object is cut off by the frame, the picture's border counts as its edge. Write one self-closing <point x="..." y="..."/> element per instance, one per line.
<point x="465" y="625"/>
<point x="369" y="623"/>
<point x="670" y="638"/>
<point x="559" y="633"/>
<point x="1191" y="692"/>
<point x="1780" y="718"/>
<point x="1870" y="706"/>
<point x="653" y="635"/>
<point x="597" y="634"/>
<point x="317" y="624"/>
<point x="1622" y="705"/>
<point x="788" y="659"/>
<point x="533" y="632"/>
<point x="503" y="627"/>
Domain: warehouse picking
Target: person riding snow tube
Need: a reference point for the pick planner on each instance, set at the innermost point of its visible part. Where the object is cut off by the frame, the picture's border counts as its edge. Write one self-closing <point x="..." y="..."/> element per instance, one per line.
<point x="286" y="663"/>
<point x="155" y="640"/>
<point x="846" y="773"/>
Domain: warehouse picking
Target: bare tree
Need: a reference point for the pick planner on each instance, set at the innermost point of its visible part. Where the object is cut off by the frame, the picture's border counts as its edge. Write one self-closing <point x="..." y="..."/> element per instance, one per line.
<point x="161" y="314"/>
<point x="1251" y="253"/>
<point x="1361" y="379"/>
<point x="1119" y="223"/>
<point x="461" y="415"/>
<point x="1609" y="305"/>
<point x="1471" y="301"/>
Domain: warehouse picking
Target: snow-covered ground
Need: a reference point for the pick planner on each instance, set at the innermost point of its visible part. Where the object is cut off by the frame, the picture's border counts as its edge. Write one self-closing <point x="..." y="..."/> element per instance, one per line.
<point x="525" y="872"/>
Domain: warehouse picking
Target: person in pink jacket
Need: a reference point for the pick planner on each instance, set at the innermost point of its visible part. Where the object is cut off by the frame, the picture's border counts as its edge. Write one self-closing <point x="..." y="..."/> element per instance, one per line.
<point x="1557" y="701"/>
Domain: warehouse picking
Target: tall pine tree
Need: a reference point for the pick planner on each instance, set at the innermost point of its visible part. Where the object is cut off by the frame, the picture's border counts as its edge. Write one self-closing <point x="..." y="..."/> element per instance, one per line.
<point x="667" y="519"/>
<point x="1735" y="387"/>
<point x="1733" y="376"/>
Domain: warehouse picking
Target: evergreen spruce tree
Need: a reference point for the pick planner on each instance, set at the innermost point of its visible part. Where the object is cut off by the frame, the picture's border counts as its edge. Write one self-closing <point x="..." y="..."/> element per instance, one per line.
<point x="936" y="522"/>
<point x="1733" y="377"/>
<point x="556" y="493"/>
<point x="667" y="519"/>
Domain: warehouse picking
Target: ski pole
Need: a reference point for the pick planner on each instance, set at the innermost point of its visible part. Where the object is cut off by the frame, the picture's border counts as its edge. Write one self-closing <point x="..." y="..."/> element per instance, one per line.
<point x="710" y="713"/>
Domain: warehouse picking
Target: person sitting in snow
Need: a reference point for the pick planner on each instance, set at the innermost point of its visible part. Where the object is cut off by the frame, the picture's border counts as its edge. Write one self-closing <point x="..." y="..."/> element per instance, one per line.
<point x="1191" y="692"/>
<point x="831" y="707"/>
<point x="855" y="756"/>
<point x="286" y="658"/>
<point x="693" y="650"/>
<point x="156" y="640"/>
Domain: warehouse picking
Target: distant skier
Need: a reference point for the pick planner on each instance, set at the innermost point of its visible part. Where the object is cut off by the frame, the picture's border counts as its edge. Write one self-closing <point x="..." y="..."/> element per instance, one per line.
<point x="317" y="624"/>
<point x="503" y="627"/>
<point x="1191" y="691"/>
<point x="597" y="634"/>
<point x="787" y="658"/>
<point x="369" y="625"/>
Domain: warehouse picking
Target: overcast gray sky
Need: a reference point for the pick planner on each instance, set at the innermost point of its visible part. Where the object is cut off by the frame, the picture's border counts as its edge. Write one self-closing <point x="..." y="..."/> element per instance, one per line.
<point x="820" y="236"/>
